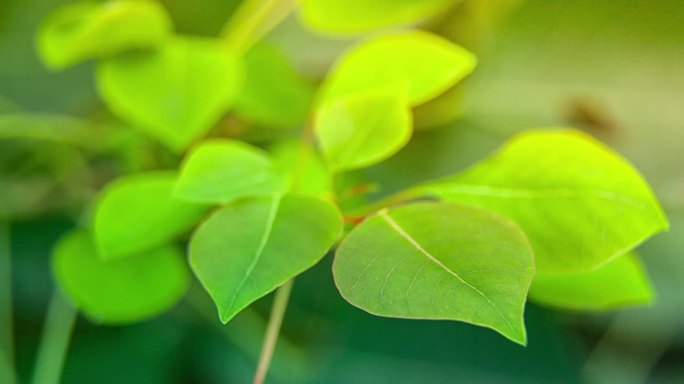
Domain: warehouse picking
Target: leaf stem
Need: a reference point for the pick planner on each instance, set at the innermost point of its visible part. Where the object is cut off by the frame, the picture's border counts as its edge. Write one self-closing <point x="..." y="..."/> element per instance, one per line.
<point x="59" y="324"/>
<point x="275" y="321"/>
<point x="253" y="20"/>
<point x="7" y="373"/>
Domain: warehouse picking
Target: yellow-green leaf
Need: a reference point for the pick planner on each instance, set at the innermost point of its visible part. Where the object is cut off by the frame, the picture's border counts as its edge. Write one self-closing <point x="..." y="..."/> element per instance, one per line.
<point x="137" y="213"/>
<point x="438" y="261"/>
<point x="118" y="291"/>
<point x="363" y="129"/>
<point x="620" y="283"/>
<point x="249" y="248"/>
<point x="175" y="94"/>
<point x="580" y="204"/>
<point x="423" y="64"/>
<point x="219" y="171"/>
<point x="88" y="29"/>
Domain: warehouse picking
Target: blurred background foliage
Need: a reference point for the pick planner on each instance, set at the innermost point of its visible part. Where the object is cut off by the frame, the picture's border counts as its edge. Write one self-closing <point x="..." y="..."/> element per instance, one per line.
<point x="613" y="68"/>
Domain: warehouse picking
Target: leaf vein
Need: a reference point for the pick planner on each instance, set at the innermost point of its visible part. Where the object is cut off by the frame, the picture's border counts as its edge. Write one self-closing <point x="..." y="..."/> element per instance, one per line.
<point x="396" y="227"/>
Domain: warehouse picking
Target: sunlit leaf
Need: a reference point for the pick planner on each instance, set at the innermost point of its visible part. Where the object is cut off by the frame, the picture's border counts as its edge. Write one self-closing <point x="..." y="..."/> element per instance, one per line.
<point x="580" y="204"/>
<point x="219" y="171"/>
<point x="118" y="291"/>
<point x="356" y="16"/>
<point x="274" y="94"/>
<point x="620" y="283"/>
<point x="424" y="64"/>
<point x="438" y="261"/>
<point x="363" y="129"/>
<point x="136" y="213"/>
<point x="175" y="94"/>
<point x="88" y="29"/>
<point x="249" y="248"/>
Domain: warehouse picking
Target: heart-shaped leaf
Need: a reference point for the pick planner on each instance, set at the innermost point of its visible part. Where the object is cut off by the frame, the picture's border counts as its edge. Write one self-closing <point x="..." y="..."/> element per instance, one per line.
<point x="356" y="16"/>
<point x="580" y="204"/>
<point x="119" y="291"/>
<point x="219" y="171"/>
<point x="438" y="261"/>
<point x="137" y="213"/>
<point x="85" y="30"/>
<point x="423" y="64"/>
<point x="363" y="129"/>
<point x="175" y="94"/>
<point x="249" y="248"/>
<point x="620" y="283"/>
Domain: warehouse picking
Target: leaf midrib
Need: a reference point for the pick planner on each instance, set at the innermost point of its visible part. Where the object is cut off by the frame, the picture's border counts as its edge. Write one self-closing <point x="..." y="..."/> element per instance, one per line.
<point x="539" y="193"/>
<point x="268" y="229"/>
<point x="406" y="236"/>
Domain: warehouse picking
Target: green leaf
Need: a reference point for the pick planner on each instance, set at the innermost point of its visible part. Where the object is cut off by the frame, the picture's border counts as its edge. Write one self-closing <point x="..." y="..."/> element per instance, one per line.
<point x="249" y="248"/>
<point x="274" y="94"/>
<point x="424" y="64"/>
<point x="357" y="16"/>
<point x="119" y="291"/>
<point x="219" y="171"/>
<point x="86" y="30"/>
<point x="438" y="261"/>
<point x="363" y="129"/>
<point x="580" y="204"/>
<point x="621" y="282"/>
<point x="175" y="94"/>
<point x="137" y="213"/>
<point x="305" y="168"/>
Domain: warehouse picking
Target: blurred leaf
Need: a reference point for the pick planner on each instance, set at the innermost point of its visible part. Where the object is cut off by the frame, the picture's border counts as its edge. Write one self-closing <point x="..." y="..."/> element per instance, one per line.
<point x="136" y="213"/>
<point x="249" y="248"/>
<point x="85" y="30"/>
<point x="619" y="283"/>
<point x="274" y="94"/>
<point x="219" y="171"/>
<point x="424" y="64"/>
<point x="363" y="129"/>
<point x="439" y="261"/>
<point x="580" y="204"/>
<point x="305" y="168"/>
<point x="176" y="94"/>
<point x="120" y="291"/>
<point x="357" y="16"/>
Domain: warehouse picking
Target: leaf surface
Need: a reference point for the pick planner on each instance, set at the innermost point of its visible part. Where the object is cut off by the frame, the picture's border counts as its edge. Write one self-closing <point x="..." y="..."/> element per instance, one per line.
<point x="620" y="283"/>
<point x="580" y="204"/>
<point x="85" y="30"/>
<point x="137" y="213"/>
<point x="423" y="64"/>
<point x="249" y="248"/>
<point x="120" y="291"/>
<point x="219" y="171"/>
<point x="438" y="261"/>
<point x="363" y="129"/>
<point x="175" y="94"/>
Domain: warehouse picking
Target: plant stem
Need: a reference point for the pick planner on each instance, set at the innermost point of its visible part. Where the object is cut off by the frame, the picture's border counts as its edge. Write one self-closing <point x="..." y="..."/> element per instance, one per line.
<point x="59" y="324"/>
<point x="274" y="322"/>
<point x="253" y="20"/>
<point x="7" y="373"/>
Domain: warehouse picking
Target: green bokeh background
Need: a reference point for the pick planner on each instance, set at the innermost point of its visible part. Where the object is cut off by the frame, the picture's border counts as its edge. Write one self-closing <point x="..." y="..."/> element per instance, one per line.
<point x="614" y="68"/>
